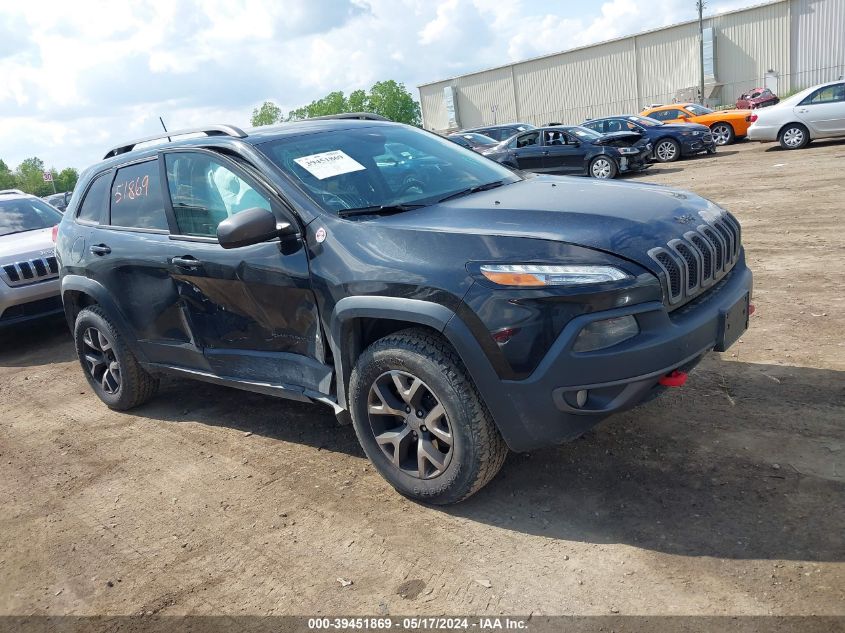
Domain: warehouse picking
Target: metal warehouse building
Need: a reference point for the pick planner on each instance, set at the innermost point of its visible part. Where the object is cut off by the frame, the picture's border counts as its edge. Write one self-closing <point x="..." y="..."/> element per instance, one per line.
<point x="784" y="44"/>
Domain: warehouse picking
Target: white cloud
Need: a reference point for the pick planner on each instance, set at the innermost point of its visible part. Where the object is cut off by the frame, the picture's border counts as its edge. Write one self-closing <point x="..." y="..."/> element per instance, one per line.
<point x="78" y="77"/>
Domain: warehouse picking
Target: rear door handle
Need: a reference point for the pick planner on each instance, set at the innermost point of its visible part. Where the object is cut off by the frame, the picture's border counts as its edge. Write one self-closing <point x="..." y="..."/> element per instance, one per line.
<point x="100" y="249"/>
<point x="186" y="262"/>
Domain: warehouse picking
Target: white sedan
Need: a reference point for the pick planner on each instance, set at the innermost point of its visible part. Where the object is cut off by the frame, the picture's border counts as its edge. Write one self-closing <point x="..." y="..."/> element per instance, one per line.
<point x="814" y="113"/>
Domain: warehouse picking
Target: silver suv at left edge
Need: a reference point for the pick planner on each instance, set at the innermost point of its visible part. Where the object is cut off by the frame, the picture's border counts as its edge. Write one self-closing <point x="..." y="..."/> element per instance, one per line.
<point x="29" y="274"/>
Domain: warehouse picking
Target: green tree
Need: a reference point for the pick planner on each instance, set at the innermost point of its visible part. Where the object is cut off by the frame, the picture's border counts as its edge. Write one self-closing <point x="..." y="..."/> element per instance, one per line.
<point x="30" y="177"/>
<point x="392" y="100"/>
<point x="7" y="178"/>
<point x="357" y="101"/>
<point x="66" y="179"/>
<point x="332" y="103"/>
<point x="268" y="114"/>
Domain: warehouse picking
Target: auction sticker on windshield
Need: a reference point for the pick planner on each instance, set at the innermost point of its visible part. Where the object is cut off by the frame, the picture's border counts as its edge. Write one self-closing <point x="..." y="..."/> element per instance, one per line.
<point x="328" y="164"/>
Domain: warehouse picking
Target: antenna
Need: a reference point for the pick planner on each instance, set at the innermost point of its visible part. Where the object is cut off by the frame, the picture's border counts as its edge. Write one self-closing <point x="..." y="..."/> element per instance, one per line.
<point x="164" y="126"/>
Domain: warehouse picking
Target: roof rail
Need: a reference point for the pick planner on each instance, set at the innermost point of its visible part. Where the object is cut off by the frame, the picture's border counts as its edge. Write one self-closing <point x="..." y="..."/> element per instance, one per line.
<point x="364" y="116"/>
<point x="13" y="191"/>
<point x="208" y="130"/>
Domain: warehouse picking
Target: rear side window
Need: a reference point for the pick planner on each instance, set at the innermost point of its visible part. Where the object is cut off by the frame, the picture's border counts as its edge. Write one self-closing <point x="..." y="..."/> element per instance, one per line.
<point x="94" y="205"/>
<point x="828" y="94"/>
<point x="136" y="200"/>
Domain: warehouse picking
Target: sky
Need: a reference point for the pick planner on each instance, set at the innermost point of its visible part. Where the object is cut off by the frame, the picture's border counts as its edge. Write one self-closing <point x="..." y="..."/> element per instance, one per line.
<point x="77" y="78"/>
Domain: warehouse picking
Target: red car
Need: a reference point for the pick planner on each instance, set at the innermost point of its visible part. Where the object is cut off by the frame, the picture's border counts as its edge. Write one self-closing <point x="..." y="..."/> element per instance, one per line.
<point x="757" y="98"/>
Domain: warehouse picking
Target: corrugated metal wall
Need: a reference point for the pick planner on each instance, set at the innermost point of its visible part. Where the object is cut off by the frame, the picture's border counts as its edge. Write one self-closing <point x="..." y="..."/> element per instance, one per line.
<point x="803" y="41"/>
<point x="818" y="41"/>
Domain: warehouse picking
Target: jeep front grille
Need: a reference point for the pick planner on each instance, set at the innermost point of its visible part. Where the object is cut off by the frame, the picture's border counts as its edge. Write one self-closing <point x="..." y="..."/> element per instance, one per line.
<point x="699" y="259"/>
<point x="31" y="271"/>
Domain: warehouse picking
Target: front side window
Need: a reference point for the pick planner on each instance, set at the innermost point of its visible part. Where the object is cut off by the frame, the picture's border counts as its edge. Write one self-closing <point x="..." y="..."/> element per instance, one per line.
<point x="26" y="214"/>
<point x="136" y="200"/>
<point x="348" y="169"/>
<point x="828" y="94"/>
<point x="204" y="192"/>
<point x="95" y="204"/>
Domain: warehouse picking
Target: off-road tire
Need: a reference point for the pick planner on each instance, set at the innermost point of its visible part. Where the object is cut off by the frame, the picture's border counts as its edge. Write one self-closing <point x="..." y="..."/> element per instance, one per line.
<point x="136" y="386"/>
<point x="478" y="450"/>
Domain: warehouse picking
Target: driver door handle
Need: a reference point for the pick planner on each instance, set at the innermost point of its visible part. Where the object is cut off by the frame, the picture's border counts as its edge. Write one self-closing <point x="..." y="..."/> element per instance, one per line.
<point x="100" y="249"/>
<point x="186" y="262"/>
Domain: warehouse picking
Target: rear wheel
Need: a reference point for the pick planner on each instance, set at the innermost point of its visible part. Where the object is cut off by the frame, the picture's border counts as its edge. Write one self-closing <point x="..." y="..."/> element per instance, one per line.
<point x="111" y="369"/>
<point x="603" y="167"/>
<point x="723" y="133"/>
<point x="667" y="150"/>
<point x="421" y="420"/>
<point x="794" y="136"/>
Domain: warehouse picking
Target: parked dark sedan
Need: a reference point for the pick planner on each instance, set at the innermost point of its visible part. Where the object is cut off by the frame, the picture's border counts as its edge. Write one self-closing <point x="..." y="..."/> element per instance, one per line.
<point x="58" y="200"/>
<point x="574" y="150"/>
<point x="671" y="141"/>
<point x="502" y="131"/>
<point x="472" y="140"/>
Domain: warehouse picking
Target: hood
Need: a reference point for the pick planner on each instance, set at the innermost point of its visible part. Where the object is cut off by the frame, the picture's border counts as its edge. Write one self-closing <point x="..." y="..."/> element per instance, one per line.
<point x="26" y="245"/>
<point x="612" y="137"/>
<point x="621" y="218"/>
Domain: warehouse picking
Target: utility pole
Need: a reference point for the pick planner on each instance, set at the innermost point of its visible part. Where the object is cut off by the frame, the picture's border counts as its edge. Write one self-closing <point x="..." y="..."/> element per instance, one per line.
<point x="700" y="6"/>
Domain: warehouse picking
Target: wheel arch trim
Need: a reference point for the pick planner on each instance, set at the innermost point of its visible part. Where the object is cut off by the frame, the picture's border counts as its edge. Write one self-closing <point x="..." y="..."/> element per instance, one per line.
<point x="98" y="293"/>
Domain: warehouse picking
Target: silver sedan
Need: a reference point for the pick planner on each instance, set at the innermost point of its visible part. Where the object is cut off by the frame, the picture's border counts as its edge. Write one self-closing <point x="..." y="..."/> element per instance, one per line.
<point x="814" y="113"/>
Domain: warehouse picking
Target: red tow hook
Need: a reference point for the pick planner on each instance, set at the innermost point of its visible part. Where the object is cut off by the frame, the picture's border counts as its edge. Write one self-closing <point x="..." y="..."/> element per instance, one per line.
<point x="674" y="379"/>
<point x="751" y="309"/>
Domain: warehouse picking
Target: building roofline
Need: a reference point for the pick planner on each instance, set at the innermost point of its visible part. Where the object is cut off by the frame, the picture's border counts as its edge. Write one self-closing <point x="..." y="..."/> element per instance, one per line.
<point x="602" y="43"/>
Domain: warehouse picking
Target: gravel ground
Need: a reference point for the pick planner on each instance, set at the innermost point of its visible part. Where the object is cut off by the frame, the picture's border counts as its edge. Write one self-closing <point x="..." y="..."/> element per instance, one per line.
<point x="724" y="497"/>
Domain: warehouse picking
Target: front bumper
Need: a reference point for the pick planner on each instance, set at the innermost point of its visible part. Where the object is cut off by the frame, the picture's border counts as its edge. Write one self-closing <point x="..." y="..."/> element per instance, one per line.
<point x="24" y="303"/>
<point x="543" y="409"/>
<point x="696" y="145"/>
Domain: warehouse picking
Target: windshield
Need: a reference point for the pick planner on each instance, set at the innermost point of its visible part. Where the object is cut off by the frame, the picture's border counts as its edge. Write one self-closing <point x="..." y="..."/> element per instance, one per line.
<point x="381" y="166"/>
<point x="26" y="214"/>
<point x="645" y="121"/>
<point x="583" y="132"/>
<point x="698" y="109"/>
<point x="479" y="139"/>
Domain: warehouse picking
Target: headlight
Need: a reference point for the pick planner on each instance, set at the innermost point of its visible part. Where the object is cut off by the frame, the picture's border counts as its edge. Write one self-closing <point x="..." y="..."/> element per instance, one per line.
<point x="628" y="150"/>
<point x="602" y="334"/>
<point x="530" y="275"/>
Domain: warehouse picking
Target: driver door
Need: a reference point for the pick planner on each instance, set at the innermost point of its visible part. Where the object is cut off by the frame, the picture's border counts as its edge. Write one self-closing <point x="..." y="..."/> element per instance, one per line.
<point x="562" y="153"/>
<point x="250" y="310"/>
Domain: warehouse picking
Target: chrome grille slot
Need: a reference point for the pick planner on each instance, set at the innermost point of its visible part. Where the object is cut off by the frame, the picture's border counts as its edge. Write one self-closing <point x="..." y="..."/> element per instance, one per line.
<point x="30" y="271"/>
<point x="699" y="260"/>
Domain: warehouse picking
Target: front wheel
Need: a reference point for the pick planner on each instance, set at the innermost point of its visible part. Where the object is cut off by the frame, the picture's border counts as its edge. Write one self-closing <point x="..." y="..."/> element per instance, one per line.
<point x="794" y="136"/>
<point x="420" y="419"/>
<point x="603" y="168"/>
<point x="667" y="150"/>
<point x="723" y="134"/>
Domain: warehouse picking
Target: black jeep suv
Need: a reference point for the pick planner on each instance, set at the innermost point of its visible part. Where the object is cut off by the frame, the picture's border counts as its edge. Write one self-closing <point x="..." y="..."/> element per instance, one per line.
<point x="447" y="306"/>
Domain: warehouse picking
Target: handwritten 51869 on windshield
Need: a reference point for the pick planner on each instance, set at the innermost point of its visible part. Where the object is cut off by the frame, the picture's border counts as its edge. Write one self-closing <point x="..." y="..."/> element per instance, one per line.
<point x="131" y="189"/>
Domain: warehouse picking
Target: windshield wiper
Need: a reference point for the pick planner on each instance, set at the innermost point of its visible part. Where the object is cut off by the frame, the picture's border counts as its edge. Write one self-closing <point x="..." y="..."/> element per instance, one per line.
<point x="471" y="190"/>
<point x="378" y="209"/>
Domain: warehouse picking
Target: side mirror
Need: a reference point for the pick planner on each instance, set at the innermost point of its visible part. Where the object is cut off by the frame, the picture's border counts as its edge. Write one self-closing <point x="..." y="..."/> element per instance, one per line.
<point x="252" y="226"/>
<point x="685" y="117"/>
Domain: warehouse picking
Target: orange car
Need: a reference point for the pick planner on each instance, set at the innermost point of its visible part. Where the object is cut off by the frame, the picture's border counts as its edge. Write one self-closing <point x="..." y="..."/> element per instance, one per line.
<point x="726" y="125"/>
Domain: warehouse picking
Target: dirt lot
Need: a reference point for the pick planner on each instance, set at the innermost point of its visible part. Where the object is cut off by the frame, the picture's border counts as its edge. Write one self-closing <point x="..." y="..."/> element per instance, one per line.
<point x="724" y="497"/>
